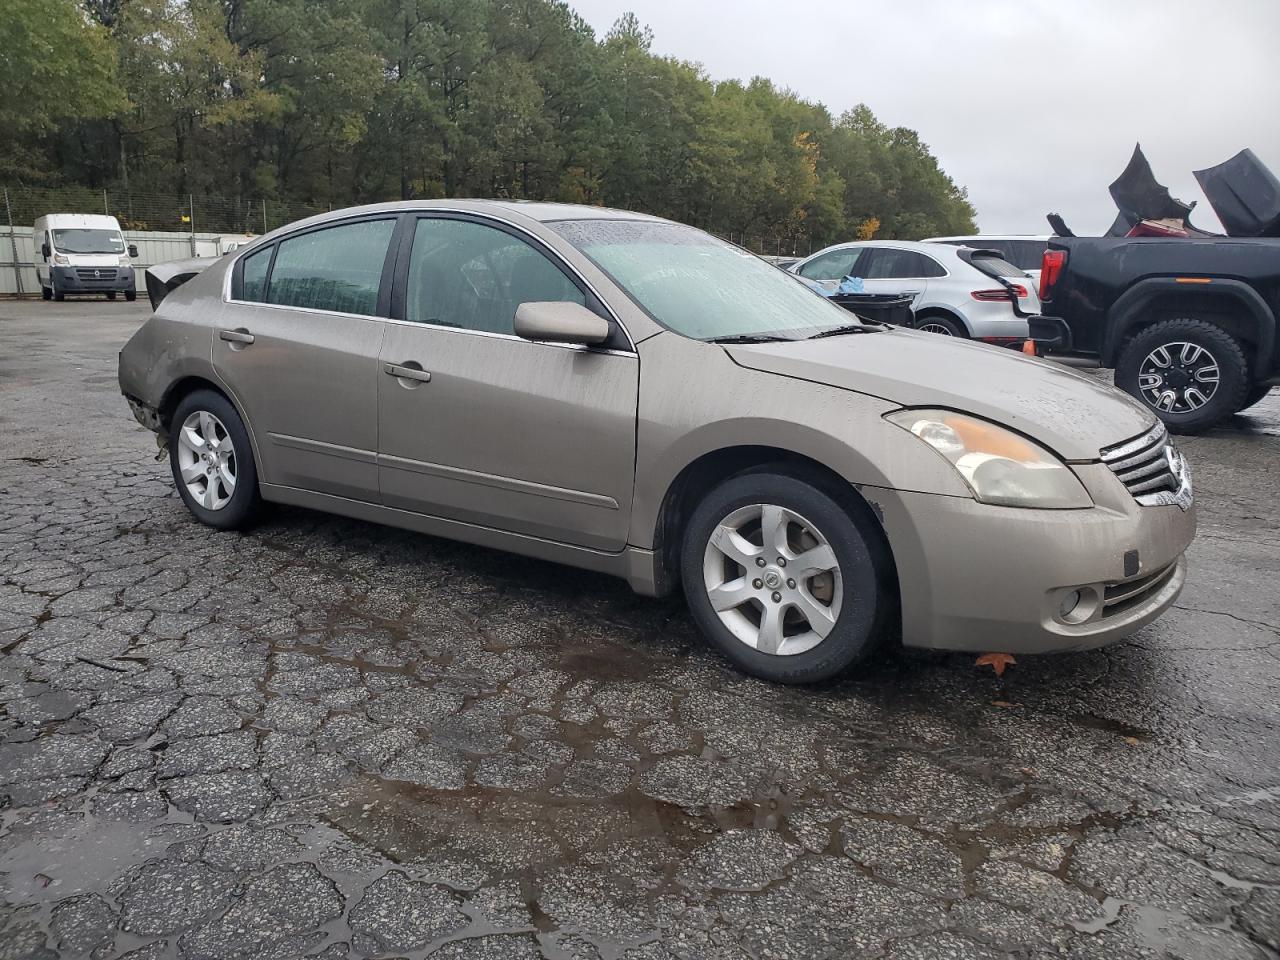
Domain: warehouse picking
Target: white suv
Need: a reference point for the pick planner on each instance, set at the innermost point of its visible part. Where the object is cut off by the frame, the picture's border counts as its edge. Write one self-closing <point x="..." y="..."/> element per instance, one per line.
<point x="1024" y="252"/>
<point x="954" y="291"/>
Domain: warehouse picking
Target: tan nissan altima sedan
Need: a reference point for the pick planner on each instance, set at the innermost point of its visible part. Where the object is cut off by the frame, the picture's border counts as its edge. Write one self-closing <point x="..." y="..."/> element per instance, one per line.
<point x="631" y="395"/>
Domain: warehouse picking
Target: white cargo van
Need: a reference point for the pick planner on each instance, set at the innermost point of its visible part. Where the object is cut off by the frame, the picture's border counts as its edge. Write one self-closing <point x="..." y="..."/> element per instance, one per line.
<point x="83" y="253"/>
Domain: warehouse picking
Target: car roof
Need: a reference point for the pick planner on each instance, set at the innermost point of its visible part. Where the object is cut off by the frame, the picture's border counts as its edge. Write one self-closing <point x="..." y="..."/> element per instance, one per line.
<point x="920" y="246"/>
<point x="990" y="236"/>
<point x="88" y="221"/>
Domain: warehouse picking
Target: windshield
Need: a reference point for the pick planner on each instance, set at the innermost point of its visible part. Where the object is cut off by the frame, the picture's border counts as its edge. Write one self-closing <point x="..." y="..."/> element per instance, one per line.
<point x="699" y="286"/>
<point x="88" y="241"/>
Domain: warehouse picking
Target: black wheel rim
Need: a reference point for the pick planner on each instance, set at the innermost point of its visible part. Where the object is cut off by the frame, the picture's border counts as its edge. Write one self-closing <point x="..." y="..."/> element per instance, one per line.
<point x="1178" y="377"/>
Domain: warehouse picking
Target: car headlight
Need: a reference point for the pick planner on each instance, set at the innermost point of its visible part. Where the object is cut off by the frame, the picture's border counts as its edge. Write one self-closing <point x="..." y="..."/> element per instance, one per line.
<point x="998" y="465"/>
<point x="60" y="260"/>
<point x="125" y="261"/>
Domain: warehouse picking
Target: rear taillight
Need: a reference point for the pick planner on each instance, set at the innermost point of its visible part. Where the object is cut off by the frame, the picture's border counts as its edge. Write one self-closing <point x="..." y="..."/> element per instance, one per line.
<point x="1004" y="293"/>
<point x="1050" y="270"/>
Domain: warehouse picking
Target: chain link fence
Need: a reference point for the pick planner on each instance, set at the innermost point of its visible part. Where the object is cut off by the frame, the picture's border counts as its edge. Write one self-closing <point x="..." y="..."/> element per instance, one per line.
<point x="795" y="246"/>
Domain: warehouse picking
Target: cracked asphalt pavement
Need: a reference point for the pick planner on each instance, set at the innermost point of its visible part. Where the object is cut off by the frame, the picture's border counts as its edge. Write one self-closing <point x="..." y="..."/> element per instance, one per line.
<point x="328" y="739"/>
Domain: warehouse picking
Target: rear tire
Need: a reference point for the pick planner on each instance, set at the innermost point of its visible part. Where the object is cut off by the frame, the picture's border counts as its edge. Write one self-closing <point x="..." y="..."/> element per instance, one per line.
<point x="943" y="326"/>
<point x="215" y="456"/>
<point x="1188" y="372"/>
<point x="830" y="619"/>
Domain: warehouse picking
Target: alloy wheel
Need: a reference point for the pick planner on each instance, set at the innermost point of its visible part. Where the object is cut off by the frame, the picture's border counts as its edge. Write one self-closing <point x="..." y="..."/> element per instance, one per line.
<point x="935" y="328"/>
<point x="207" y="460"/>
<point x="773" y="579"/>
<point x="1178" y="377"/>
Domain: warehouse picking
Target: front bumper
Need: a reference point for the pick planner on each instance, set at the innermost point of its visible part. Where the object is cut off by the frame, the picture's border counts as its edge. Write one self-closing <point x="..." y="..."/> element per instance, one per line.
<point x="92" y="279"/>
<point x="984" y="578"/>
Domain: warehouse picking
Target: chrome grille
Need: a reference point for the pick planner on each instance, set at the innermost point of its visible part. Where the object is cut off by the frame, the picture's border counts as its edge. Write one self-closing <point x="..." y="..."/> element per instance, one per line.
<point x="1149" y="467"/>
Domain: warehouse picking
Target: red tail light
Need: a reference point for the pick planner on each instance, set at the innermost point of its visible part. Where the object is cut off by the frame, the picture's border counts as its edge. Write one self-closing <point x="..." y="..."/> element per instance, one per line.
<point x="1050" y="270"/>
<point x="1016" y="289"/>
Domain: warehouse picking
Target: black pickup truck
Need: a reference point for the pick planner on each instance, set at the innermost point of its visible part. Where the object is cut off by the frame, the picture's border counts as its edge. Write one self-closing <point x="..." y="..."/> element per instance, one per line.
<point x="1188" y="322"/>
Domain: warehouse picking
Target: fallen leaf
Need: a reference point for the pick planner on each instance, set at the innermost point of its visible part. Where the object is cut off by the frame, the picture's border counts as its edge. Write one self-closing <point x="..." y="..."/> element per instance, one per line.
<point x="1132" y="741"/>
<point x="1002" y="703"/>
<point x="996" y="661"/>
<point x="1026" y="771"/>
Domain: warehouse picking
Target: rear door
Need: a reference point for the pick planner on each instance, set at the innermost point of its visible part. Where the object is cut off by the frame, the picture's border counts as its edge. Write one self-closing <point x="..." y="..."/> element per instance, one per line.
<point x="903" y="272"/>
<point x="481" y="426"/>
<point x="297" y="346"/>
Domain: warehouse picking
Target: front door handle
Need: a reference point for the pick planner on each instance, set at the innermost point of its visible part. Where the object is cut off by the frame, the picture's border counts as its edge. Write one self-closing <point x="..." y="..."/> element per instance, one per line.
<point x="405" y="372"/>
<point x="236" y="336"/>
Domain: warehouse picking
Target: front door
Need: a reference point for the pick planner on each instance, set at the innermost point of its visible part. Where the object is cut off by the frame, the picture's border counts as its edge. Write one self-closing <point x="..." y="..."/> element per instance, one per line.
<point x="478" y="425"/>
<point x="298" y="348"/>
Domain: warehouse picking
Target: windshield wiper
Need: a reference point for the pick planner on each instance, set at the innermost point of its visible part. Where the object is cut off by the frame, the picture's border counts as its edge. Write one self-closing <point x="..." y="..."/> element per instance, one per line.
<point x="847" y="328"/>
<point x="751" y="338"/>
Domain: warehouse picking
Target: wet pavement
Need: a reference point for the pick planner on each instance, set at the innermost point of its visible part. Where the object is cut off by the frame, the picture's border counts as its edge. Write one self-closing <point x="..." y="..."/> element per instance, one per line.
<point x="329" y="739"/>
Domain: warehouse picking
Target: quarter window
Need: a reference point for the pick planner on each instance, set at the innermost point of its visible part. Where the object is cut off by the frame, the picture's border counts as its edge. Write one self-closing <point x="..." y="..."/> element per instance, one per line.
<point x="472" y="276"/>
<point x="337" y="268"/>
<point x="835" y="265"/>
<point x="253" y="275"/>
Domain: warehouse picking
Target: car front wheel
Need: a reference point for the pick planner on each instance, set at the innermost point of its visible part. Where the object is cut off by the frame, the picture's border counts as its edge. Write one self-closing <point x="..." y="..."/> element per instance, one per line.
<point x="1191" y="373"/>
<point x="782" y="579"/>
<point x="212" y="461"/>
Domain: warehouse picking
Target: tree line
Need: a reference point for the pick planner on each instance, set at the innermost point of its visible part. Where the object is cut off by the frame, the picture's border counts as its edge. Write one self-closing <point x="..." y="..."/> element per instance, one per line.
<point x="336" y="102"/>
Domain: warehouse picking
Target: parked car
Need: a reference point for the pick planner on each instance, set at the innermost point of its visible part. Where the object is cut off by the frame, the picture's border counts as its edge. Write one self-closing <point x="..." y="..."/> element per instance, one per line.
<point x="1024" y="252"/>
<point x="83" y="253"/>
<point x="1188" y="323"/>
<point x="782" y="263"/>
<point x="954" y="292"/>
<point x="633" y="396"/>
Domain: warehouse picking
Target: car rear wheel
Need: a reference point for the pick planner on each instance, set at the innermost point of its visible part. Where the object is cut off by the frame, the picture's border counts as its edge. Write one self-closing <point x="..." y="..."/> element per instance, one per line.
<point x="1190" y="373"/>
<point x="944" y="326"/>
<point x="212" y="461"/>
<point x="782" y="579"/>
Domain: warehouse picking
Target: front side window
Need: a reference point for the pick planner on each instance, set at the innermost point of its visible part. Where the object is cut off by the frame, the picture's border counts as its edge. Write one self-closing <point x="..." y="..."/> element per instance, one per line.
<point x="88" y="241"/>
<point x="472" y="276"/>
<point x="336" y="268"/>
<point x="700" y="286"/>
<point x="835" y="265"/>
<point x="253" y="275"/>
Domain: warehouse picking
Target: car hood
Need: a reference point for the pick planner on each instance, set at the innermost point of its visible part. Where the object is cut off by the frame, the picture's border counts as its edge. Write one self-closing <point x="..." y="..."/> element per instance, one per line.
<point x="1073" y="415"/>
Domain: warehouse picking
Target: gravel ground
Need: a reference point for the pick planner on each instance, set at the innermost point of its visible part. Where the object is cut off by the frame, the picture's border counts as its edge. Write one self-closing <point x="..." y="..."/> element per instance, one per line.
<point x="329" y="739"/>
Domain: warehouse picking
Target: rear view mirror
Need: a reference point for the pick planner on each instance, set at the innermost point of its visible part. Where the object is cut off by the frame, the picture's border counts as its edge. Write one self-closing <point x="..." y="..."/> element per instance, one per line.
<point x="45" y="251"/>
<point x="133" y="251"/>
<point x="560" y="321"/>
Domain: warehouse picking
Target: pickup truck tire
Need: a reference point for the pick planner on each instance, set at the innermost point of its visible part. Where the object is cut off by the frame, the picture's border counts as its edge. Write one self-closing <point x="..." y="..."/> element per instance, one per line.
<point x="1256" y="395"/>
<point x="1189" y="372"/>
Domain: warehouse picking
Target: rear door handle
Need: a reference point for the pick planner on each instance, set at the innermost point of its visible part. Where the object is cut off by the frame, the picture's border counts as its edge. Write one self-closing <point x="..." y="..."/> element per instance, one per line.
<point x="236" y="336"/>
<point x="402" y="372"/>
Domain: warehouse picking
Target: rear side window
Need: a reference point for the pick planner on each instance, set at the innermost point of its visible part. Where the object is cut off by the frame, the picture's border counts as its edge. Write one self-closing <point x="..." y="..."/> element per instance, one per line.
<point x="253" y="275"/>
<point x="1027" y="254"/>
<point x="835" y="265"/>
<point x="336" y="268"/>
<point x="891" y="264"/>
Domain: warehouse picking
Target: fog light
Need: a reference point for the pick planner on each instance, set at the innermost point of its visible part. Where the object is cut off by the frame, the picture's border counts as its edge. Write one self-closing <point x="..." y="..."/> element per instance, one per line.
<point x="1069" y="604"/>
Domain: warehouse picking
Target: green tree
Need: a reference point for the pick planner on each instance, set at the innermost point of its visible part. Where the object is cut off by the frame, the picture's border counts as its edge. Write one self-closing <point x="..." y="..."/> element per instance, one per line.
<point x="56" y="67"/>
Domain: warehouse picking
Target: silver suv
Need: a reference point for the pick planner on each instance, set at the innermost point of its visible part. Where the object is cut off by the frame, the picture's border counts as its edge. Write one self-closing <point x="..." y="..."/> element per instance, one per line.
<point x="630" y="395"/>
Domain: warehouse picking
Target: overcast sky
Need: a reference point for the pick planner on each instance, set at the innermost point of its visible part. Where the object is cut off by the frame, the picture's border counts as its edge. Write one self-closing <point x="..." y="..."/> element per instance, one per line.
<point x="1033" y="105"/>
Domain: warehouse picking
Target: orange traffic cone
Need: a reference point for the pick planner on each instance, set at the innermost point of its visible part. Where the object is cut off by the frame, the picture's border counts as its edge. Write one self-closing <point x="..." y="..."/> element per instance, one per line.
<point x="1029" y="348"/>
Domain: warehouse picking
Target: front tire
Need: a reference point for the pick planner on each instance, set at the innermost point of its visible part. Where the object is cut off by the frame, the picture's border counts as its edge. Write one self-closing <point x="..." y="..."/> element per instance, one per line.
<point x="131" y="295"/>
<point x="1189" y="373"/>
<point x="57" y="294"/>
<point x="782" y="579"/>
<point x="111" y="294"/>
<point x="212" y="461"/>
<point x="45" y="293"/>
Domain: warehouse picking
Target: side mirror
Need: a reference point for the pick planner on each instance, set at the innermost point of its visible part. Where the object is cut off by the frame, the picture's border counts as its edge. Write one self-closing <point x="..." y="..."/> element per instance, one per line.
<point x="45" y="251"/>
<point x="560" y="321"/>
<point x="133" y="251"/>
